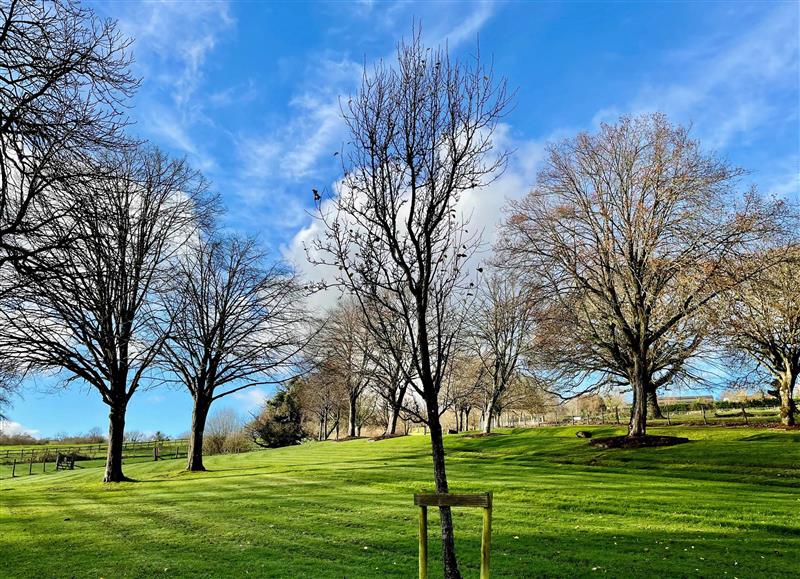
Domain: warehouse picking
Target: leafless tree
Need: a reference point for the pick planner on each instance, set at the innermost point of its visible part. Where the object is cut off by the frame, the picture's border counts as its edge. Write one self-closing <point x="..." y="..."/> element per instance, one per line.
<point x="10" y="378"/>
<point x="234" y="322"/>
<point x="390" y="365"/>
<point x="92" y="318"/>
<point x="223" y="424"/>
<point x="466" y="394"/>
<point x="343" y="347"/>
<point x="421" y="135"/>
<point x="500" y="337"/>
<point x="321" y="396"/>
<point x="134" y="436"/>
<point x="760" y="322"/>
<point x="634" y="231"/>
<point x="64" y="81"/>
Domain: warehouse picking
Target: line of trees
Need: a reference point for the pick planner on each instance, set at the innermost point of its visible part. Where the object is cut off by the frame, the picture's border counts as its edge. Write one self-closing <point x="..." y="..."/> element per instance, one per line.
<point x="635" y="260"/>
<point x="112" y="272"/>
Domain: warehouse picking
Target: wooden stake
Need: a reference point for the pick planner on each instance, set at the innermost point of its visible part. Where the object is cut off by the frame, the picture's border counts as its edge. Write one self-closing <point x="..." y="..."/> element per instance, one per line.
<point x="423" y="542"/>
<point x="425" y="500"/>
<point x="486" y="539"/>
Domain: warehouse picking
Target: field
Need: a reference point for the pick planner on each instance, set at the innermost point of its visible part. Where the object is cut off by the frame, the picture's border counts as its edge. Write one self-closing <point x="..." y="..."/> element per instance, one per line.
<point x="725" y="505"/>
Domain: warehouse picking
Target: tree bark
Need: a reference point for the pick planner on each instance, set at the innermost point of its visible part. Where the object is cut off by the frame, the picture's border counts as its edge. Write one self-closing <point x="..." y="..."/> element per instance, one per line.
<point x="440" y="476"/>
<point x="391" y="427"/>
<point x="199" y="415"/>
<point x="488" y="412"/>
<point x="653" y="408"/>
<point x="351" y="418"/>
<point x="116" y="437"/>
<point x="788" y="406"/>
<point x="638" y="423"/>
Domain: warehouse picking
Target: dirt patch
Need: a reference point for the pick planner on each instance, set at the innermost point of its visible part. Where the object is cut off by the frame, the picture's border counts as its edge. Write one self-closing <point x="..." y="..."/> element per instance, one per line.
<point x="637" y="442"/>
<point x="345" y="439"/>
<point x="386" y="437"/>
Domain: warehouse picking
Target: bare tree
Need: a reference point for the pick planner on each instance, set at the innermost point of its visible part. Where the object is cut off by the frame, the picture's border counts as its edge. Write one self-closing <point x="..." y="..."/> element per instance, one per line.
<point x="10" y="379"/>
<point x="633" y="230"/>
<point x="64" y="81"/>
<point x="92" y="318"/>
<point x="321" y="395"/>
<point x="222" y="425"/>
<point x="760" y="321"/>
<point x="500" y="338"/>
<point x="343" y="346"/>
<point x="421" y="135"/>
<point x="391" y="364"/>
<point x="468" y="375"/>
<point x="233" y="321"/>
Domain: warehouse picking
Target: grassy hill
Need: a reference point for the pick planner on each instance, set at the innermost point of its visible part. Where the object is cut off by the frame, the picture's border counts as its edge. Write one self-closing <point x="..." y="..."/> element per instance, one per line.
<point x="725" y="505"/>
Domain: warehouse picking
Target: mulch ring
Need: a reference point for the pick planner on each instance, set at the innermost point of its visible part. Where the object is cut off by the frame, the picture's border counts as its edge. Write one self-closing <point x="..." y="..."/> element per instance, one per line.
<point x="636" y="442"/>
<point x="386" y="437"/>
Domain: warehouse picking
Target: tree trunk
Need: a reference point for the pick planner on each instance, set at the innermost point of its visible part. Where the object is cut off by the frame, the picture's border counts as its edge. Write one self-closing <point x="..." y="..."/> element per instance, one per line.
<point x="488" y="412"/>
<point x="788" y="406"/>
<point x="199" y="415"/>
<point x="448" y="540"/>
<point x="653" y="408"/>
<point x="391" y="426"/>
<point x="351" y="418"/>
<point x="116" y="435"/>
<point x="638" y="423"/>
<point x="466" y="418"/>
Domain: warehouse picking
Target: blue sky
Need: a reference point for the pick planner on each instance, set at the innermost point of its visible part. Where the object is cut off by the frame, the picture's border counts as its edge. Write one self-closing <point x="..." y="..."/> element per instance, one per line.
<point x="248" y="91"/>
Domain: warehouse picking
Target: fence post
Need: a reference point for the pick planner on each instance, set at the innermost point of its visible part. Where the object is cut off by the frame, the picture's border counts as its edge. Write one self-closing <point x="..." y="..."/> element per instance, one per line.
<point x="30" y="467"/>
<point x="423" y="542"/>
<point x="14" y="468"/>
<point x="44" y="463"/>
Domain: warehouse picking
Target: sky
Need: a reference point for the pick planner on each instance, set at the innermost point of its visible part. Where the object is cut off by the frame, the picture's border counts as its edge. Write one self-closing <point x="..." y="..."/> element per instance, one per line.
<point x="249" y="92"/>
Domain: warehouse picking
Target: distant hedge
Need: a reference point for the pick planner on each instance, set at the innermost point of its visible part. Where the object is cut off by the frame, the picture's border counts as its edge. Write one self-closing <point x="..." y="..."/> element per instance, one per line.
<point x="720" y="405"/>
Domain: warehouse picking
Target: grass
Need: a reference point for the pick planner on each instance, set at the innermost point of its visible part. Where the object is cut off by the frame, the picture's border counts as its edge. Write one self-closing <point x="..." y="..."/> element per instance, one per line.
<point x="88" y="456"/>
<point x="725" y="505"/>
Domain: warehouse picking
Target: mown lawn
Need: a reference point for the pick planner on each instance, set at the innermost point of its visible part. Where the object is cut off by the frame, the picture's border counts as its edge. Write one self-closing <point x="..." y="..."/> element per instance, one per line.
<point x="725" y="505"/>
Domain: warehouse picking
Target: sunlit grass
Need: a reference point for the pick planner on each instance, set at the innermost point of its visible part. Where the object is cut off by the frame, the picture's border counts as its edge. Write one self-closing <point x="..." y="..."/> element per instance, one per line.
<point x="724" y="505"/>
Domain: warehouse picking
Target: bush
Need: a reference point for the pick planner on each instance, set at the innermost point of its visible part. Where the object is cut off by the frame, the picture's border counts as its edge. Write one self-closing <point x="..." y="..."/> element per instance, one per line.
<point x="237" y="442"/>
<point x="279" y="423"/>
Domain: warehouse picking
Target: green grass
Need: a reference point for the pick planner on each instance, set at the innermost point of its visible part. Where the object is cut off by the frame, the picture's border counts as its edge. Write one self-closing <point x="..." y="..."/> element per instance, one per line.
<point x="725" y="505"/>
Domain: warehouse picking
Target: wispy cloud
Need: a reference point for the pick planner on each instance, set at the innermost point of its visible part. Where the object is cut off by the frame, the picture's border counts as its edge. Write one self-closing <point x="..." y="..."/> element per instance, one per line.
<point x="11" y="428"/>
<point x="251" y="398"/>
<point x="727" y="83"/>
<point x="173" y="43"/>
<point x="279" y="167"/>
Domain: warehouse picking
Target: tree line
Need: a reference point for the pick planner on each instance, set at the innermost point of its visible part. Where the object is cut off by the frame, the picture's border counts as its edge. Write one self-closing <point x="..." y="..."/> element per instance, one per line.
<point x="637" y="259"/>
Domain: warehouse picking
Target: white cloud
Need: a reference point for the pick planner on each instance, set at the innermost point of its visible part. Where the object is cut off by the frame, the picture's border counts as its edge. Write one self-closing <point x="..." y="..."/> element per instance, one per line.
<point x="173" y="42"/>
<point x="251" y="398"/>
<point x="278" y="164"/>
<point x="726" y="85"/>
<point x="174" y="39"/>
<point x="11" y="428"/>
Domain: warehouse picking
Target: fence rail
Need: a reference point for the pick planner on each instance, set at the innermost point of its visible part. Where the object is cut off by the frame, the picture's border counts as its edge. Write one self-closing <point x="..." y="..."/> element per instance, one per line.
<point x="20" y="462"/>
